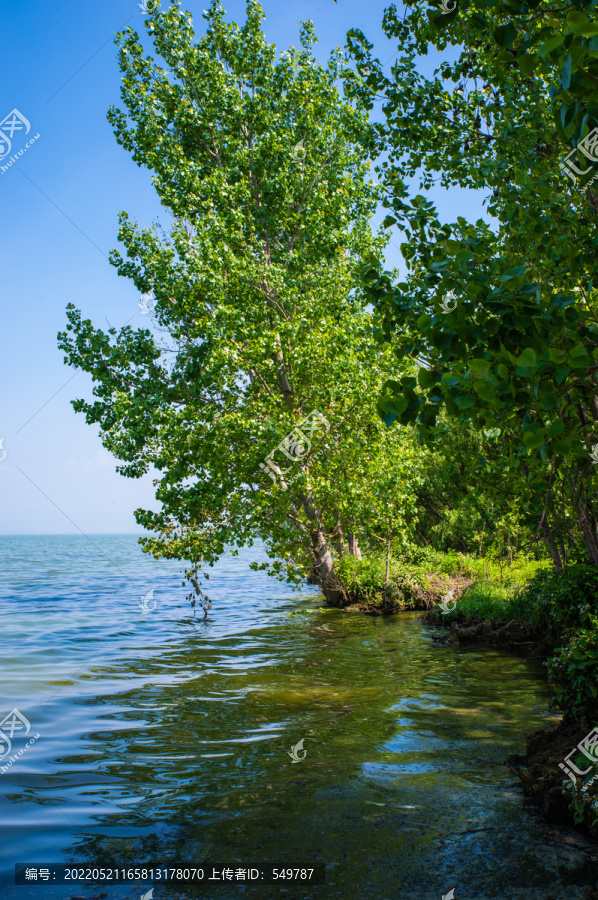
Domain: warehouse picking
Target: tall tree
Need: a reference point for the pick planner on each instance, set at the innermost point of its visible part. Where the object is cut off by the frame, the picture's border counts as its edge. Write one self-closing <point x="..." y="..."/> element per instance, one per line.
<point x="502" y="324"/>
<point x="258" y="380"/>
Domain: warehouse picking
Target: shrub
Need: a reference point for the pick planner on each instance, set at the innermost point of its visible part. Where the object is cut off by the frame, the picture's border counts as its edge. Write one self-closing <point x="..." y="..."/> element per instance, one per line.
<point x="561" y="602"/>
<point x="364" y="580"/>
<point x="574" y="672"/>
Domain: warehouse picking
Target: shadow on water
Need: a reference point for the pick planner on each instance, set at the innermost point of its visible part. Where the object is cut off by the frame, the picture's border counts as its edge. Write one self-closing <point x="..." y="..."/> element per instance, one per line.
<point x="176" y="748"/>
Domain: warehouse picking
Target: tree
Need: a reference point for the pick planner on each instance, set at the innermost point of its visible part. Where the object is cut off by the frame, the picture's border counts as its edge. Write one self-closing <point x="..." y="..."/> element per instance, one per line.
<point x="256" y="387"/>
<point x="518" y="350"/>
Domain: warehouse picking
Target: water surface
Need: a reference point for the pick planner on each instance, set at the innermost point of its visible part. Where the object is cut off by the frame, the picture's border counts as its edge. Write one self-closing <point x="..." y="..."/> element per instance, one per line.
<point x="165" y="737"/>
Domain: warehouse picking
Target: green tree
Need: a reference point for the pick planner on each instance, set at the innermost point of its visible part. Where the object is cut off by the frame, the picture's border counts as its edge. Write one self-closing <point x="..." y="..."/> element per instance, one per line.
<point x="255" y="389"/>
<point x="501" y="324"/>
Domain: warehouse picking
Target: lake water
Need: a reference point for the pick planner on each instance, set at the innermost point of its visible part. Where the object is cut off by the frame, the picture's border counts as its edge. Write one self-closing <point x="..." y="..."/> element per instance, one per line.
<point x="165" y="738"/>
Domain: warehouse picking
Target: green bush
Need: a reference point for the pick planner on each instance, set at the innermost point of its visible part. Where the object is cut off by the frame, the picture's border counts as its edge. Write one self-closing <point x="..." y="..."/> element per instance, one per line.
<point x="574" y="672"/>
<point x="364" y="580"/>
<point x="560" y="602"/>
<point x="477" y="567"/>
<point x="449" y="563"/>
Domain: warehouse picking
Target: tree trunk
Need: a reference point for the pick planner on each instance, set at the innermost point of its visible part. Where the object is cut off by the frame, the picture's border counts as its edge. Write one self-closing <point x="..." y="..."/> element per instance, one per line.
<point x="422" y="538"/>
<point x="552" y="547"/>
<point x="324" y="567"/>
<point x="588" y="534"/>
<point x="323" y="562"/>
<point x="339" y="538"/>
<point x="353" y="545"/>
<point x="283" y="381"/>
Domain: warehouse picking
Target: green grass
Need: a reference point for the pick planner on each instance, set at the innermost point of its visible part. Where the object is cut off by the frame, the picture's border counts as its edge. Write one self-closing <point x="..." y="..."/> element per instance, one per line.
<point x="453" y="563"/>
<point x="412" y="574"/>
<point x="484" y="600"/>
<point x="364" y="580"/>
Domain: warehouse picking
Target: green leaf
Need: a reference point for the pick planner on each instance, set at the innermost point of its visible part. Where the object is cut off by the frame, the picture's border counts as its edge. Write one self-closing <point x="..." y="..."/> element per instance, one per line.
<point x="485" y="391"/>
<point x="505" y="35"/>
<point x="527" y="359"/>
<point x="578" y="357"/>
<point x="479" y="22"/>
<point x="464" y="401"/>
<point x="551" y="44"/>
<point x="533" y="439"/>
<point x="517" y="272"/>
<point x="556" y="428"/>
<point x="425" y="378"/>
<point x="479" y="367"/>
<point x="561" y="301"/>
<point x="527" y="63"/>
<point x="390" y="408"/>
<point x="579" y="23"/>
<point x="561" y="374"/>
<point x="443" y="20"/>
<point x="562" y="445"/>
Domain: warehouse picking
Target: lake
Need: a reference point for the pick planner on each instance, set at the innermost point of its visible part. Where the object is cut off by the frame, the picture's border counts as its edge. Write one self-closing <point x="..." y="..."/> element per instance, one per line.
<point x="167" y="738"/>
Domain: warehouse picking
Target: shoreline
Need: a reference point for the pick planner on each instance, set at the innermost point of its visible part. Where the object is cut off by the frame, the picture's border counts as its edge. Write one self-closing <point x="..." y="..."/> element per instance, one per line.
<point x="541" y="778"/>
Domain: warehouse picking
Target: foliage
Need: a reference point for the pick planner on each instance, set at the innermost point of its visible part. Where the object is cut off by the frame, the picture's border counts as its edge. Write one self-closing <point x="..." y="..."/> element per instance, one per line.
<point x="364" y="580"/>
<point x="259" y="319"/>
<point x="482" y="600"/>
<point x="517" y="353"/>
<point x="379" y="485"/>
<point x="414" y="570"/>
<point x="479" y="568"/>
<point x="466" y="500"/>
<point x="561" y="602"/>
<point x="574" y="672"/>
<point x="585" y="807"/>
<point x="557" y="43"/>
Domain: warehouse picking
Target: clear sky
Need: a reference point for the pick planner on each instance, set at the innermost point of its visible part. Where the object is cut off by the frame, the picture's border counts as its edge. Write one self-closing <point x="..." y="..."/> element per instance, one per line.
<point x="59" y="203"/>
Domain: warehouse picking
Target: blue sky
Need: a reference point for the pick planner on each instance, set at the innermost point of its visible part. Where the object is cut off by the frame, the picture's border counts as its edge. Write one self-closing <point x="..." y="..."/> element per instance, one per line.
<point x="60" y="200"/>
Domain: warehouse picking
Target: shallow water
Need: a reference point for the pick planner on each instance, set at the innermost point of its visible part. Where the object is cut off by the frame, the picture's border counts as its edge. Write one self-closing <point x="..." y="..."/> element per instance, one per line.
<point x="165" y="738"/>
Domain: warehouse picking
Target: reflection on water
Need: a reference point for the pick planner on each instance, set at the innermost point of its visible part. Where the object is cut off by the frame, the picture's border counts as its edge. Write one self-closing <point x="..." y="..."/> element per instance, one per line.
<point x="165" y="738"/>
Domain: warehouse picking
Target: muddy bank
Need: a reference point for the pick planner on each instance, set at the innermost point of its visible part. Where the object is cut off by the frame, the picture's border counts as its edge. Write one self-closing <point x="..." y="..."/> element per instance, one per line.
<point x="512" y="635"/>
<point x="541" y="778"/>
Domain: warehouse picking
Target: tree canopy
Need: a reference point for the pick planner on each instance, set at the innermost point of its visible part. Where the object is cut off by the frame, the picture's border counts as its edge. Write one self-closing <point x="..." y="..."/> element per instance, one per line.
<point x="260" y="323"/>
<point x="517" y="354"/>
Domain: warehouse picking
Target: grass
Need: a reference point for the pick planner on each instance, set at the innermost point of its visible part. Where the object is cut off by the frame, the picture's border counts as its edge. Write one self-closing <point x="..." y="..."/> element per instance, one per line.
<point x="493" y="595"/>
<point x="485" y="600"/>
<point x="478" y="568"/>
